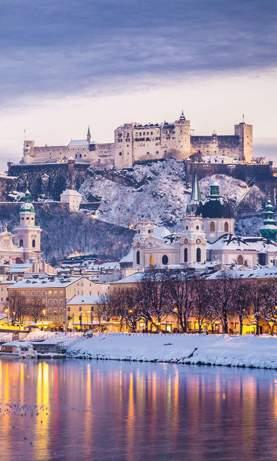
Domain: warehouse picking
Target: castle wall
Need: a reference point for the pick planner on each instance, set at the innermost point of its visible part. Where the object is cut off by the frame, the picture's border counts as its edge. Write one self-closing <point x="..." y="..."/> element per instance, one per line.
<point x="136" y="142"/>
<point x="225" y="146"/>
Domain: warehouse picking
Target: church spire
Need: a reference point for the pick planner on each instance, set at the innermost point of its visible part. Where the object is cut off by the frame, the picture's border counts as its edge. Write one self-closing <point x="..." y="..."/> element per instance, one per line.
<point x="195" y="192"/>
<point x="195" y="197"/>
<point x="88" y="136"/>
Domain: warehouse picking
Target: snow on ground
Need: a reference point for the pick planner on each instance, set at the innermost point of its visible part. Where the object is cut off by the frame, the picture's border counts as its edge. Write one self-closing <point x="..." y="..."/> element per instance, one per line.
<point x="246" y="351"/>
<point x="5" y="337"/>
<point x="234" y="190"/>
<point x="157" y="192"/>
<point x="249" y="225"/>
<point x="52" y="337"/>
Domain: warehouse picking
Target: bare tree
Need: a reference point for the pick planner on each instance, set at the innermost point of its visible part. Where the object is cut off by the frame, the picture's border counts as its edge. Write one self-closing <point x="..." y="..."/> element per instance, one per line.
<point x="259" y="294"/>
<point x="202" y="306"/>
<point x="242" y="296"/>
<point x="180" y="296"/>
<point x="269" y="312"/>
<point x="17" y="308"/>
<point x="224" y="301"/>
<point x="122" y="303"/>
<point x="153" y="299"/>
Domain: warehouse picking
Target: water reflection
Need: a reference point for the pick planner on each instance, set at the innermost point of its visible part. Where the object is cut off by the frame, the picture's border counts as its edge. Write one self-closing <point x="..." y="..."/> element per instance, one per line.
<point x="122" y="411"/>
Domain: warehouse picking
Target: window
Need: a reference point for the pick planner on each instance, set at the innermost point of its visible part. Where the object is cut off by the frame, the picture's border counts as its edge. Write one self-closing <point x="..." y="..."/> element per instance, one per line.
<point x="198" y="255"/>
<point x="33" y="243"/>
<point x="226" y="227"/>
<point x="212" y="227"/>
<point x="21" y="243"/>
<point x="185" y="255"/>
<point x="165" y="259"/>
<point x="138" y="257"/>
<point x="197" y="227"/>
<point x="240" y="259"/>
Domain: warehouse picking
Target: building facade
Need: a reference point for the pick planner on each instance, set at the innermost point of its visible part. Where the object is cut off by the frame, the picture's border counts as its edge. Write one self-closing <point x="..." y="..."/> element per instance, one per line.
<point x="45" y="298"/>
<point x="134" y="142"/>
<point x="207" y="237"/>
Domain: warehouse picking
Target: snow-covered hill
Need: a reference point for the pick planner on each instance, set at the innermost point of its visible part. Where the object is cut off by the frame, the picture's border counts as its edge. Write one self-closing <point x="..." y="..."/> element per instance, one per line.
<point x="159" y="192"/>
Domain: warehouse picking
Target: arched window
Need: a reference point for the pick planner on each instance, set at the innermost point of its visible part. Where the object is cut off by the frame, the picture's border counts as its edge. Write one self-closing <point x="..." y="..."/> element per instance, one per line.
<point x="198" y="255"/>
<point x="212" y="227"/>
<point x="21" y="243"/>
<point x="185" y="255"/>
<point x="240" y="259"/>
<point x="165" y="259"/>
<point x="226" y="227"/>
<point x="33" y="243"/>
<point x="138" y="257"/>
<point x="151" y="260"/>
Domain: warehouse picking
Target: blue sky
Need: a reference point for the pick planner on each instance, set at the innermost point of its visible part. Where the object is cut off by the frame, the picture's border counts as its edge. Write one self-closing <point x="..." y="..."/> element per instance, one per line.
<point x="69" y="63"/>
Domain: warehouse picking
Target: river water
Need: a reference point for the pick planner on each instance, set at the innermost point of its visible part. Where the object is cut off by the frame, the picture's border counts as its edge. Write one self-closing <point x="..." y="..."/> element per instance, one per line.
<point x="87" y="410"/>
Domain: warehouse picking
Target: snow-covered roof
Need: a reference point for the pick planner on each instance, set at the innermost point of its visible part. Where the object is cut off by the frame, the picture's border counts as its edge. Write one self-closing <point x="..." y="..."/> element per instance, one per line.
<point x="70" y="193"/>
<point x="78" y="143"/>
<point x="240" y="272"/>
<point x="238" y="243"/>
<point x="134" y="278"/>
<point x="88" y="299"/>
<point x="54" y="282"/>
<point x="128" y="258"/>
<point x="160" y="232"/>
<point x="16" y="268"/>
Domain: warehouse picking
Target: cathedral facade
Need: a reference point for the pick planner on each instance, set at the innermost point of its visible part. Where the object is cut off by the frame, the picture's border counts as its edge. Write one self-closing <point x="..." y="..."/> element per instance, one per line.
<point x="208" y="237"/>
<point x="134" y="142"/>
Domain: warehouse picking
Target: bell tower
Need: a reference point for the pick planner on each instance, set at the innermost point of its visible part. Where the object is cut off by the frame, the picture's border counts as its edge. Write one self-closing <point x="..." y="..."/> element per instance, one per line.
<point x="27" y="233"/>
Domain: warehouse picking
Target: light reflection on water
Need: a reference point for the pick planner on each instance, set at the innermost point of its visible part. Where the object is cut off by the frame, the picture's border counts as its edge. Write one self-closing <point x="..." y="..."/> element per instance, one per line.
<point x="79" y="410"/>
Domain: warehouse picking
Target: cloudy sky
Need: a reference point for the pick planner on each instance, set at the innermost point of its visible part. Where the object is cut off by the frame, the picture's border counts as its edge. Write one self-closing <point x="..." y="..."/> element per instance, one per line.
<point x="68" y="64"/>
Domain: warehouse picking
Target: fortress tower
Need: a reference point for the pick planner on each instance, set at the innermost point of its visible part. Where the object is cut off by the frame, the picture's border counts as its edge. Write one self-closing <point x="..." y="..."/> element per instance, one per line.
<point x="245" y="134"/>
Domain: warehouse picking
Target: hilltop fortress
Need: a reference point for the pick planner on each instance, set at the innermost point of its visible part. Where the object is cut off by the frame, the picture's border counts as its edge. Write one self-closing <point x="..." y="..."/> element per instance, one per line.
<point x="134" y="142"/>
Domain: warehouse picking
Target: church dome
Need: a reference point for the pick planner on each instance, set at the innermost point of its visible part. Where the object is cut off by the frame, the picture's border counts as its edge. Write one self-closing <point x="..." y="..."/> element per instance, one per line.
<point x="215" y="207"/>
<point x="27" y="207"/>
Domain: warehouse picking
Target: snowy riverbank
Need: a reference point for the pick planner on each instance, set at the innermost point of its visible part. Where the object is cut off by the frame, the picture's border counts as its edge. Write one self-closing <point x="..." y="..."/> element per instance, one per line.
<point x="246" y="351"/>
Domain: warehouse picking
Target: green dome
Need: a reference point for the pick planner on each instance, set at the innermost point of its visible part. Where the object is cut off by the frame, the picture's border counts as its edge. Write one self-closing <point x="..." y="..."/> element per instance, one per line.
<point x="28" y="207"/>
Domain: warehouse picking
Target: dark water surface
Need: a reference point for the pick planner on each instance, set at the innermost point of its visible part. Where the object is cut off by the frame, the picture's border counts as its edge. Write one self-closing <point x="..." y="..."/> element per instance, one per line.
<point x="79" y="410"/>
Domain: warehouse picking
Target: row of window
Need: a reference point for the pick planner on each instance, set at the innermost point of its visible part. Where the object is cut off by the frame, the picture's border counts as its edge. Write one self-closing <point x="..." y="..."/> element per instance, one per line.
<point x="21" y="243"/>
<point x="165" y="259"/>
